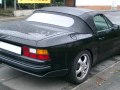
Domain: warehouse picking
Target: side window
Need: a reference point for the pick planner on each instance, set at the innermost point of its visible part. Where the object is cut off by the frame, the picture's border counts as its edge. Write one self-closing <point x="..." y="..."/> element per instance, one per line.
<point x="100" y="23"/>
<point x="109" y="22"/>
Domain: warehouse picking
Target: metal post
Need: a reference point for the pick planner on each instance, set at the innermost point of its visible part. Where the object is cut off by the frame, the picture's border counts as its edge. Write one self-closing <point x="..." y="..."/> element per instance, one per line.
<point x="5" y="4"/>
<point x="34" y="5"/>
<point x="15" y="6"/>
<point x="64" y="1"/>
<point x="74" y="3"/>
<point x="114" y="5"/>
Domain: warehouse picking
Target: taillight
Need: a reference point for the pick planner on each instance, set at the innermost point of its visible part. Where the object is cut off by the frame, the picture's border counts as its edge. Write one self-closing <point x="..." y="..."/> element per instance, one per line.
<point x="26" y="51"/>
<point x="40" y="54"/>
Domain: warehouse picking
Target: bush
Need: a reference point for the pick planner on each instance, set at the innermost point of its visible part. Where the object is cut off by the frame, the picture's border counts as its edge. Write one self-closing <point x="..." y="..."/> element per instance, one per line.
<point x="7" y="12"/>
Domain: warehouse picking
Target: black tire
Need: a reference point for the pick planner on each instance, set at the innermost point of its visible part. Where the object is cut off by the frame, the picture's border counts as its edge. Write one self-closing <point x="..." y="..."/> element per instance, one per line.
<point x="75" y="66"/>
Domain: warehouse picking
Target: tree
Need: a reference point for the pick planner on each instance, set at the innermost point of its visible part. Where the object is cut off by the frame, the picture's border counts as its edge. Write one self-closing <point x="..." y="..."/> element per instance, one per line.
<point x="58" y="2"/>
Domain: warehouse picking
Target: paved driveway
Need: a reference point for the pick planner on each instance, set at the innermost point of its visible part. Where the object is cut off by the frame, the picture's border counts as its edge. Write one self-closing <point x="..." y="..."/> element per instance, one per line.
<point x="16" y="80"/>
<point x="21" y="81"/>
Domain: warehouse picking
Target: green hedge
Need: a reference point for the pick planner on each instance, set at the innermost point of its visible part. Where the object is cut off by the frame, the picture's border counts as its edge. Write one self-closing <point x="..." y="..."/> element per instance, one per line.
<point x="7" y="12"/>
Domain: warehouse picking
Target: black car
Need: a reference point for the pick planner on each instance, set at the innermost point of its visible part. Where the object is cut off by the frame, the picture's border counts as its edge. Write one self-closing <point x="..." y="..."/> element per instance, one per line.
<point x="59" y="41"/>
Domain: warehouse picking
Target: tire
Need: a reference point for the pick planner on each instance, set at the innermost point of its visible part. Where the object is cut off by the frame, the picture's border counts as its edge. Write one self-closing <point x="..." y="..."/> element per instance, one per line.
<point x="80" y="67"/>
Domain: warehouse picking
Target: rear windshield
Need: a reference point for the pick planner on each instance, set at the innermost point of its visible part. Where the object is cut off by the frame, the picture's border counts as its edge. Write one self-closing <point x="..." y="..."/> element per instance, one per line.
<point x="53" y="19"/>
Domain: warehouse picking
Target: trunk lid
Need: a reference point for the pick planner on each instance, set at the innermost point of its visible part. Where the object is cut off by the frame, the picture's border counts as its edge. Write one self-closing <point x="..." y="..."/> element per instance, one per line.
<point x="28" y="33"/>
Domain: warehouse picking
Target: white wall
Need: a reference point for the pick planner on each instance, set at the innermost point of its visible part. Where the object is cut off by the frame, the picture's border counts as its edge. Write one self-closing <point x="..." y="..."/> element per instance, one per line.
<point x="18" y="13"/>
<point x="0" y="1"/>
<point x="113" y="3"/>
<point x="118" y="1"/>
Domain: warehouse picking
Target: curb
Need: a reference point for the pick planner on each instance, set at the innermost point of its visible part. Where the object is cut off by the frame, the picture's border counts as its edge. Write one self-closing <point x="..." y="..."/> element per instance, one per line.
<point x="12" y="18"/>
<point x="99" y="78"/>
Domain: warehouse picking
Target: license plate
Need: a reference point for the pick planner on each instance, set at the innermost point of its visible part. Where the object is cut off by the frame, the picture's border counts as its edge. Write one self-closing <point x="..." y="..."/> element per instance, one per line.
<point x="10" y="47"/>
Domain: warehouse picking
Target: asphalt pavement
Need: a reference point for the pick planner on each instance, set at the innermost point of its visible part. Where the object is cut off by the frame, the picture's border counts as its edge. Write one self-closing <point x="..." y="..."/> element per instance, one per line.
<point x="112" y="83"/>
<point x="11" y="79"/>
<point x="107" y="69"/>
<point x="103" y="76"/>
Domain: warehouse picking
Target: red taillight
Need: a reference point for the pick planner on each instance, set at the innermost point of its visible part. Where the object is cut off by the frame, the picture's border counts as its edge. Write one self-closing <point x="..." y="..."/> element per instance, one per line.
<point x="26" y="51"/>
<point x="32" y="55"/>
<point x="43" y="57"/>
<point x="40" y="54"/>
<point x="25" y="48"/>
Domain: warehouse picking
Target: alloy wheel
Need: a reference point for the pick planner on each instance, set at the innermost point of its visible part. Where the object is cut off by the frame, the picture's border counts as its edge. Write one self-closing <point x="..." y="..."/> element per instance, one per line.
<point x="83" y="66"/>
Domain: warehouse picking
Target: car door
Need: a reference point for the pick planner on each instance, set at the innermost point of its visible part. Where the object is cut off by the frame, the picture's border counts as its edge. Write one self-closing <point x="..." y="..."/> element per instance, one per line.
<point x="116" y="34"/>
<point x="106" y="36"/>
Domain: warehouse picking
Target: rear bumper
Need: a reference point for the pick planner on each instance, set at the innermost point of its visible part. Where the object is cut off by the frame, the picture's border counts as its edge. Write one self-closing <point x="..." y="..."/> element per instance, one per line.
<point x="30" y="66"/>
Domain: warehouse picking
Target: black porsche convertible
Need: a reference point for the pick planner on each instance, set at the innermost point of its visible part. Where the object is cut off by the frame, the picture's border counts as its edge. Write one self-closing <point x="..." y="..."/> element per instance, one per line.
<point x="59" y="41"/>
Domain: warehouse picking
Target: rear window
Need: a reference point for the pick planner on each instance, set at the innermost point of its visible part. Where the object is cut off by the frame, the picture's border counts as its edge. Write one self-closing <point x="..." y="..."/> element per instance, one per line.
<point x="53" y="19"/>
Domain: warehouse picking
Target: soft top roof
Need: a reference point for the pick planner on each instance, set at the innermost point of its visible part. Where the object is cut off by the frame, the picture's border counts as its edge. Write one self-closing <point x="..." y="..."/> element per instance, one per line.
<point x="85" y="14"/>
<point x="68" y="10"/>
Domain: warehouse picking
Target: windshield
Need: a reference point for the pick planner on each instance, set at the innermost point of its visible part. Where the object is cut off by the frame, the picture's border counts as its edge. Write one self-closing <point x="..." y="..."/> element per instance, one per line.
<point x="53" y="19"/>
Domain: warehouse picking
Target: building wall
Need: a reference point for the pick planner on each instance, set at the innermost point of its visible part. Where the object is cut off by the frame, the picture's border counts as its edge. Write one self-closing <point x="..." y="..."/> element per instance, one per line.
<point x="70" y="3"/>
<point x="97" y="7"/>
<point x="118" y="7"/>
<point x="95" y="4"/>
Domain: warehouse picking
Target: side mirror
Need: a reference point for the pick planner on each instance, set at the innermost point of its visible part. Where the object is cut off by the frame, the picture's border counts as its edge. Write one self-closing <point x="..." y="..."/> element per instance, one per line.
<point x="116" y="27"/>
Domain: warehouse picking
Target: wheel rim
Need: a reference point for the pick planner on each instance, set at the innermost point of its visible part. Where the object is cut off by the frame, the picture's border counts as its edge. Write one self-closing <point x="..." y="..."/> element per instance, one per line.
<point x="83" y="66"/>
